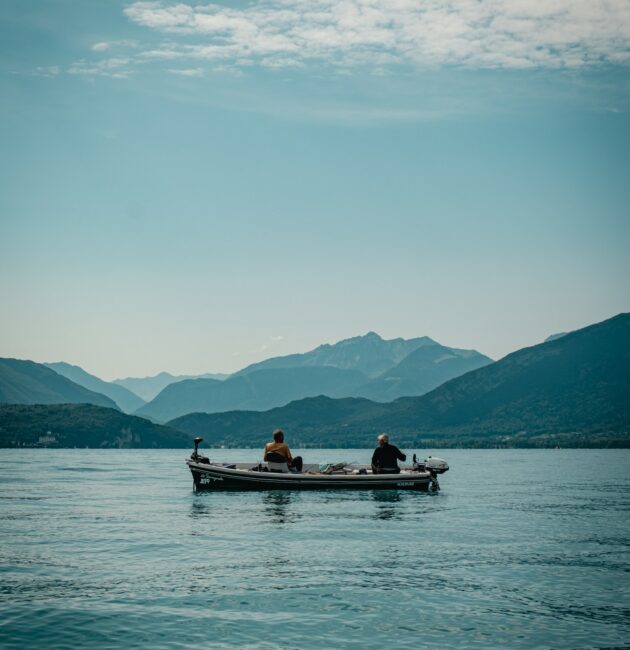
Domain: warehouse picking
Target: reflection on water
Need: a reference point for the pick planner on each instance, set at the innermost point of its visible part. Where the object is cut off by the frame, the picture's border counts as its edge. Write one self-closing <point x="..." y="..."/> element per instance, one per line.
<point x="386" y="496"/>
<point x="200" y="506"/>
<point x="387" y="504"/>
<point x="276" y="506"/>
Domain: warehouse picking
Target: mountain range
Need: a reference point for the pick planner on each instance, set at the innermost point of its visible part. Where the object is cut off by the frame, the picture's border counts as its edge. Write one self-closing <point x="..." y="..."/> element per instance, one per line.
<point x="573" y="390"/>
<point x="124" y="398"/>
<point x="576" y="386"/>
<point x="149" y="387"/>
<point x="363" y="366"/>
<point x="369" y="354"/>
<point x="352" y="367"/>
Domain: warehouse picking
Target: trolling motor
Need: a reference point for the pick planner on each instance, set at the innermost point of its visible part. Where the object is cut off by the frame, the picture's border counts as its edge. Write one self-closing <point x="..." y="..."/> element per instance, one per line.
<point x="195" y="455"/>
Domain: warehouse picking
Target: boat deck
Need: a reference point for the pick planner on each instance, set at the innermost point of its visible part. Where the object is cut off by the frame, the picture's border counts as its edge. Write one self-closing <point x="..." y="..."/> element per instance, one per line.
<point x="324" y="469"/>
<point x="209" y="475"/>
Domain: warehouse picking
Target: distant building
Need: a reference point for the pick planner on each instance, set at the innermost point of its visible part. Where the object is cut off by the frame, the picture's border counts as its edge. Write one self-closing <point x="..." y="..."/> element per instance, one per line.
<point x="48" y="439"/>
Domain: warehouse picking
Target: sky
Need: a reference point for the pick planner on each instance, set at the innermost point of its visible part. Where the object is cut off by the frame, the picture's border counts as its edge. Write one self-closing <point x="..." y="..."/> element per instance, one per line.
<point x="193" y="186"/>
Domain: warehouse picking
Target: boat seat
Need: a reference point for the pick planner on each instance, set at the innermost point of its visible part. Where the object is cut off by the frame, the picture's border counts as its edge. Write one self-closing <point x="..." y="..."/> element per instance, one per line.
<point x="277" y="463"/>
<point x="283" y="468"/>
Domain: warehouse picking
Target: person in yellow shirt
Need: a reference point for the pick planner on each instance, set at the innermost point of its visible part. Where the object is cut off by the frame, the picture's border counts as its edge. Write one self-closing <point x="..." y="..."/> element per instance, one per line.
<point x="279" y="447"/>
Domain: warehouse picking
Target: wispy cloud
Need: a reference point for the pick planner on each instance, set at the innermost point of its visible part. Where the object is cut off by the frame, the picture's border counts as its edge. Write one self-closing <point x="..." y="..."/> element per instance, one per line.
<point x="187" y="72"/>
<point x="47" y="71"/>
<point x="346" y="33"/>
<point x="272" y="342"/>
<point x="115" y="67"/>
<point x="104" y="46"/>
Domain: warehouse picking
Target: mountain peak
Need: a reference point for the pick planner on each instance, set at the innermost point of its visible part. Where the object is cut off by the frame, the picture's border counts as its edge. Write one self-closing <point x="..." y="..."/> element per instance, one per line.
<point x="369" y="353"/>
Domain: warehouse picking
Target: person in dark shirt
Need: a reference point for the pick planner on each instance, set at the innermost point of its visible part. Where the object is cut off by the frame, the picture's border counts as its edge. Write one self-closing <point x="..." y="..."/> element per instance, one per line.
<point x="385" y="458"/>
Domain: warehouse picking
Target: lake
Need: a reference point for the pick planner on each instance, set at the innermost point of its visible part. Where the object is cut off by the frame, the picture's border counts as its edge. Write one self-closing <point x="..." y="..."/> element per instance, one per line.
<point x="112" y="549"/>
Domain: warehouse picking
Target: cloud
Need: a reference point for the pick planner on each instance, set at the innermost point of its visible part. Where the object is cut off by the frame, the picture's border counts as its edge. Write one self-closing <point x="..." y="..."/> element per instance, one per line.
<point x="114" y="67"/>
<point x="104" y="46"/>
<point x="47" y="71"/>
<point x="380" y="33"/>
<point x="272" y="342"/>
<point x="187" y="72"/>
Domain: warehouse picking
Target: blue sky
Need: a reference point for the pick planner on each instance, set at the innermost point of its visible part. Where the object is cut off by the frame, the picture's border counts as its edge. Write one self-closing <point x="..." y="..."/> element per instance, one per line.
<point x="192" y="186"/>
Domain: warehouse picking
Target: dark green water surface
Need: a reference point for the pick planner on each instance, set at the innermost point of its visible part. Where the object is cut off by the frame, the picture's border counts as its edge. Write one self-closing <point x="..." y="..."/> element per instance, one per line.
<point x="112" y="549"/>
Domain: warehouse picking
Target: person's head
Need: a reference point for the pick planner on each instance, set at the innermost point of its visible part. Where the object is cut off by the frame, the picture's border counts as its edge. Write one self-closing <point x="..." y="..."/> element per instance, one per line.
<point x="278" y="435"/>
<point x="383" y="439"/>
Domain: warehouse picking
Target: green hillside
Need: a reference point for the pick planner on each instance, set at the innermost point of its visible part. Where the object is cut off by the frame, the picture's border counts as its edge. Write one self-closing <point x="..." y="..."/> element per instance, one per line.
<point x="26" y="382"/>
<point x="82" y="425"/>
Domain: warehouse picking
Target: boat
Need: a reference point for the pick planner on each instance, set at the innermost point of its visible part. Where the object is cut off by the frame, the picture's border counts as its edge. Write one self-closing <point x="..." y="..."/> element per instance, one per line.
<point x="210" y="475"/>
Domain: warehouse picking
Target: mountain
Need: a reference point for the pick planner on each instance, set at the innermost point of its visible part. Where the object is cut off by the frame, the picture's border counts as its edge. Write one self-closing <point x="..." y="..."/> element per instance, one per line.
<point x="572" y="391"/>
<point x="342" y="370"/>
<point x="27" y="382"/>
<point x="149" y="387"/>
<point x="421" y="371"/>
<point x="314" y="421"/>
<point x="82" y="425"/>
<point x="258" y="390"/>
<point x="369" y="354"/>
<point x="124" y="398"/>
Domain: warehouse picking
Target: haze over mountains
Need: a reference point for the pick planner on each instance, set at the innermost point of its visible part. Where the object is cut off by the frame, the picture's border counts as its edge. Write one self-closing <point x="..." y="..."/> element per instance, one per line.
<point x="149" y="387"/>
<point x="125" y="399"/>
<point x="258" y="390"/>
<point x="572" y="390"/>
<point x="362" y="366"/>
<point x="575" y="385"/>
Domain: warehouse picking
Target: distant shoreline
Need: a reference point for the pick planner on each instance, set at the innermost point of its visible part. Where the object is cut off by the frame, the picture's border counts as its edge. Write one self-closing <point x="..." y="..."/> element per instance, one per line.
<point x="612" y="444"/>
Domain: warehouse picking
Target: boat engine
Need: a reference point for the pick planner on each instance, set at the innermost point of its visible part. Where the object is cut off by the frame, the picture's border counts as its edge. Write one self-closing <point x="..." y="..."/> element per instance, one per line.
<point x="435" y="464"/>
<point x="431" y="464"/>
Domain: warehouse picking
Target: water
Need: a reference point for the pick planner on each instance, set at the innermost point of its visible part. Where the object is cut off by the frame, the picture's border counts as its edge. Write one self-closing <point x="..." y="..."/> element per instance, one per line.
<point x="111" y="549"/>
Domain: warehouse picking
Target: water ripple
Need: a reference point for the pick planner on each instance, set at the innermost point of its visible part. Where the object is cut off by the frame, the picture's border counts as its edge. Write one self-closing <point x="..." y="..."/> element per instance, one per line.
<point x="530" y="552"/>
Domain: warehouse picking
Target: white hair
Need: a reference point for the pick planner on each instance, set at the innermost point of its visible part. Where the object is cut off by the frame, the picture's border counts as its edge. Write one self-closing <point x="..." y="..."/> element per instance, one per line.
<point x="384" y="437"/>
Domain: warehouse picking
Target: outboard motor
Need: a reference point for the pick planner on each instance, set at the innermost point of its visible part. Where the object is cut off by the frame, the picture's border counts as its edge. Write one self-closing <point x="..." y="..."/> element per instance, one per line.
<point x="431" y="464"/>
<point x="435" y="464"/>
